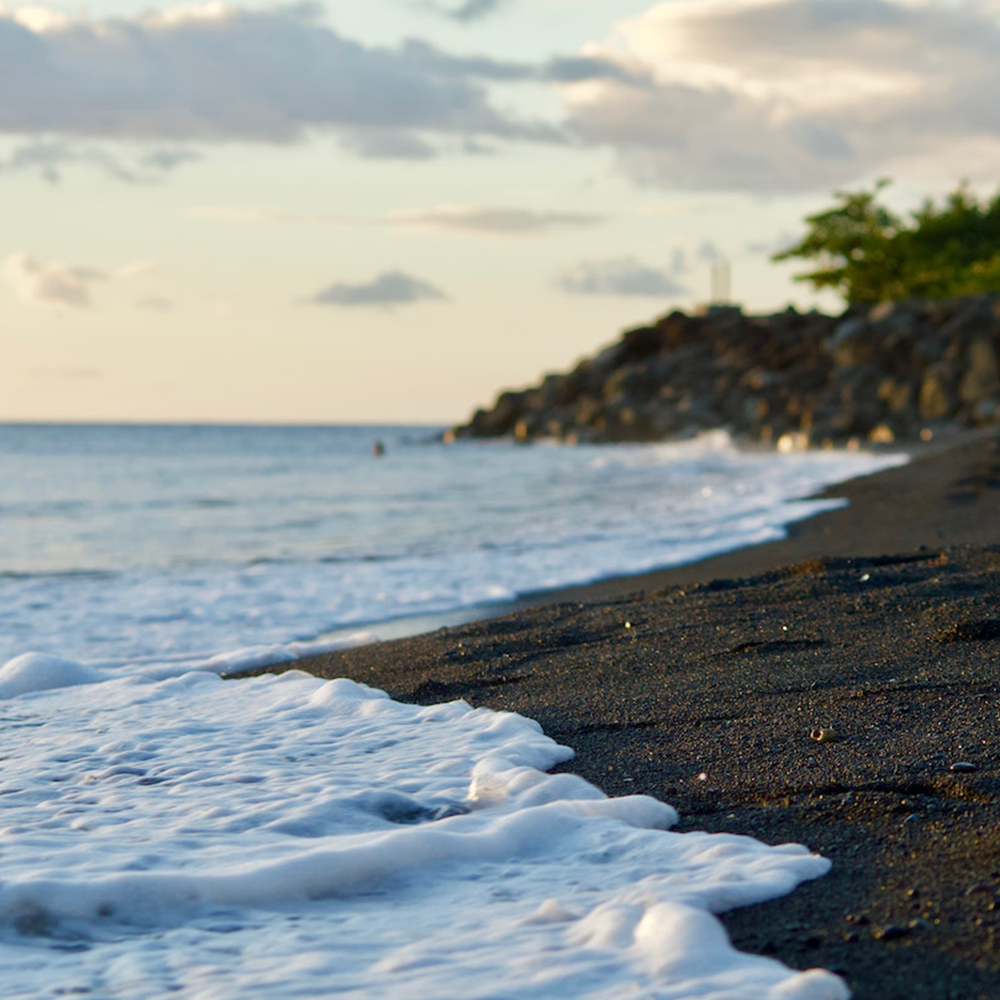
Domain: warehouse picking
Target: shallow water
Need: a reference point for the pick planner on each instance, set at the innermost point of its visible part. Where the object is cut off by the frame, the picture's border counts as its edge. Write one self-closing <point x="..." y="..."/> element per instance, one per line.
<point x="165" y="832"/>
<point x="282" y="836"/>
<point x="124" y="544"/>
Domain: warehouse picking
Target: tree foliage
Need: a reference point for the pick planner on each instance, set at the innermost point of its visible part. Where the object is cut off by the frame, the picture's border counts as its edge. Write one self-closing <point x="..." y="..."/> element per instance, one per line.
<point x="867" y="253"/>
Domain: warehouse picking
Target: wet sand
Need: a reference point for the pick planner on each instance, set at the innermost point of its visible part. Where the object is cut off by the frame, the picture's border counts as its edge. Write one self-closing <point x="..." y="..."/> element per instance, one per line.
<point x="704" y="686"/>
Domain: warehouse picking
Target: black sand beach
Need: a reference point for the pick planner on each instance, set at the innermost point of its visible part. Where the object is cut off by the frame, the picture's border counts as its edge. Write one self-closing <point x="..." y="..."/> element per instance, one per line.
<point x="877" y="624"/>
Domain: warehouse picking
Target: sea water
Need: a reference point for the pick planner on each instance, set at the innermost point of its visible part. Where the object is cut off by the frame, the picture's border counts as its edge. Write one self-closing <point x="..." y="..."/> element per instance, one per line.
<point x="121" y="545"/>
<point x="167" y="832"/>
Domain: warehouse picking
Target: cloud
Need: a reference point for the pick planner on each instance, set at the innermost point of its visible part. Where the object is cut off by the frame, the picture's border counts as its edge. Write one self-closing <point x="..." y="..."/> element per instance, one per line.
<point x="378" y="144"/>
<point x="493" y="221"/>
<point x="473" y="10"/>
<point x="391" y="288"/>
<point x="67" y="286"/>
<point x="56" y="284"/>
<point x="163" y="160"/>
<point x="710" y="253"/>
<point x="679" y="261"/>
<point x="577" y="69"/>
<point x="498" y="221"/>
<point x="786" y="95"/>
<point x="621" y="276"/>
<point x="50" y="157"/>
<point x="773" y="245"/>
<point x="431" y="60"/>
<point x="219" y="73"/>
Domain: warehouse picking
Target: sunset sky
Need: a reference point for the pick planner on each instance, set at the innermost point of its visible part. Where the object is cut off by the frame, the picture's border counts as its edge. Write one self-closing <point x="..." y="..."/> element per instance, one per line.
<point x="387" y="210"/>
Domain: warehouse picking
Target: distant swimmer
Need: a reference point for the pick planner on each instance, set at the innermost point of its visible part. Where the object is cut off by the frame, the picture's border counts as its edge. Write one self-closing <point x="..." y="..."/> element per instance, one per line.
<point x="378" y="449"/>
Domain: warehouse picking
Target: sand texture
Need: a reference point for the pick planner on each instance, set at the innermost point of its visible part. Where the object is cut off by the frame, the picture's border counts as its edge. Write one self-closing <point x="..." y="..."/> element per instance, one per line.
<point x="706" y="686"/>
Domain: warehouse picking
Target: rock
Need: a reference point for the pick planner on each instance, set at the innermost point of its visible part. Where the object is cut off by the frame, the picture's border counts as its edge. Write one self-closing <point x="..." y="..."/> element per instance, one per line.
<point x="987" y="411"/>
<point x="793" y="442"/>
<point x="895" y="323"/>
<point x="677" y="330"/>
<point x="851" y="343"/>
<point x="936" y="400"/>
<point x="895" y="394"/>
<point x="640" y="343"/>
<point x="631" y="380"/>
<point x="891" y="932"/>
<point x="587" y="411"/>
<point x="982" y="375"/>
<point x="505" y="413"/>
<point x="880" y="373"/>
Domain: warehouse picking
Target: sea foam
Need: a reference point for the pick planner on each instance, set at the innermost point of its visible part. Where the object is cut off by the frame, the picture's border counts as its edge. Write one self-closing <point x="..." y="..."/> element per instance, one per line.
<point x="285" y="836"/>
<point x="167" y="832"/>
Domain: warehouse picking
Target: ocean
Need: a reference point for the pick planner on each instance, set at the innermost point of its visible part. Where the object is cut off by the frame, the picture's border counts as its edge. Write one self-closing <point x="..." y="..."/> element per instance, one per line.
<point x="167" y="832"/>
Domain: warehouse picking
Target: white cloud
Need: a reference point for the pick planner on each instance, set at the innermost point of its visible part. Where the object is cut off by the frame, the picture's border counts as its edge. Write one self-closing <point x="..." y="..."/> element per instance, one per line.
<point x="391" y="288"/>
<point x="218" y="72"/>
<point x="54" y="284"/>
<point x="495" y="221"/>
<point x="779" y="95"/>
<point x="620" y="276"/>
<point x="481" y="219"/>
<point x="68" y="286"/>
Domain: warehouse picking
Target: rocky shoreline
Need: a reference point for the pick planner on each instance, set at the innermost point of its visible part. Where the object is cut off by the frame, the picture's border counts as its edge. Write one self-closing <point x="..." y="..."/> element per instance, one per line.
<point x="893" y="372"/>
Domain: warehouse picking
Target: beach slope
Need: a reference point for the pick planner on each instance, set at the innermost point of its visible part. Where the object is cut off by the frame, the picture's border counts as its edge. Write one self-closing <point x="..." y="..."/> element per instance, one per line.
<point x="839" y="688"/>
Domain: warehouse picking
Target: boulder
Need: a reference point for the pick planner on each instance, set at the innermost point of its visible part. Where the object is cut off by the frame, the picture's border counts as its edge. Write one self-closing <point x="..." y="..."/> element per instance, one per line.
<point x="851" y="343"/>
<point x="879" y="373"/>
<point x="982" y="374"/>
<point x="937" y="399"/>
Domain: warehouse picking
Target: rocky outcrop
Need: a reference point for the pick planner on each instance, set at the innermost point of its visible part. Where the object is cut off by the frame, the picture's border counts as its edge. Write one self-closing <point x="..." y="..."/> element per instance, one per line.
<point x="890" y="372"/>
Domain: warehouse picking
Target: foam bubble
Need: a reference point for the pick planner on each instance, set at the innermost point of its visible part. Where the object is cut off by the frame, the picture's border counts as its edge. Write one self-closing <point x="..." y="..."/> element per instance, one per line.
<point x="32" y="672"/>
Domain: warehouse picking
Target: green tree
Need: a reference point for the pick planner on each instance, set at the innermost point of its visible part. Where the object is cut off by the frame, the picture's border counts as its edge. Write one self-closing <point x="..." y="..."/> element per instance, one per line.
<point x="867" y="253"/>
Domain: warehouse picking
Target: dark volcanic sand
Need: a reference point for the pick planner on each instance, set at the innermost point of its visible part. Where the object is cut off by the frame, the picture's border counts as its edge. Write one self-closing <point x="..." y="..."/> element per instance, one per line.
<point x="881" y="622"/>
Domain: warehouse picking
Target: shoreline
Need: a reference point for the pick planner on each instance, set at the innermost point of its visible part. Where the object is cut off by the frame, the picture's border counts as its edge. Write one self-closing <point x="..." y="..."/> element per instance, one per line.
<point x="701" y="686"/>
<point x="864" y="526"/>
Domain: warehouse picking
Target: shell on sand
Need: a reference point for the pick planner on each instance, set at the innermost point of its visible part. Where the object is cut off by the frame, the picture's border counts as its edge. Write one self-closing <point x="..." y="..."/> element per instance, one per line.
<point x="824" y="735"/>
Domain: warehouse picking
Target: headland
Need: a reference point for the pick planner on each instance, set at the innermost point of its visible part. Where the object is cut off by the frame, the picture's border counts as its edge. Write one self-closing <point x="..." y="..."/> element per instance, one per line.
<point x="880" y="374"/>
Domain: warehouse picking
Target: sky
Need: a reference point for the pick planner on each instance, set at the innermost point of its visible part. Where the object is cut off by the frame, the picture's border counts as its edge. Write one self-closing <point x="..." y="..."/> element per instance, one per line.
<point x="389" y="210"/>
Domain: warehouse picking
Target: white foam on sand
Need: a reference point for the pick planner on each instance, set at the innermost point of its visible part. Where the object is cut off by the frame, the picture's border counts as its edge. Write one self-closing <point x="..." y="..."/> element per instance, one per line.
<point x="280" y="836"/>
